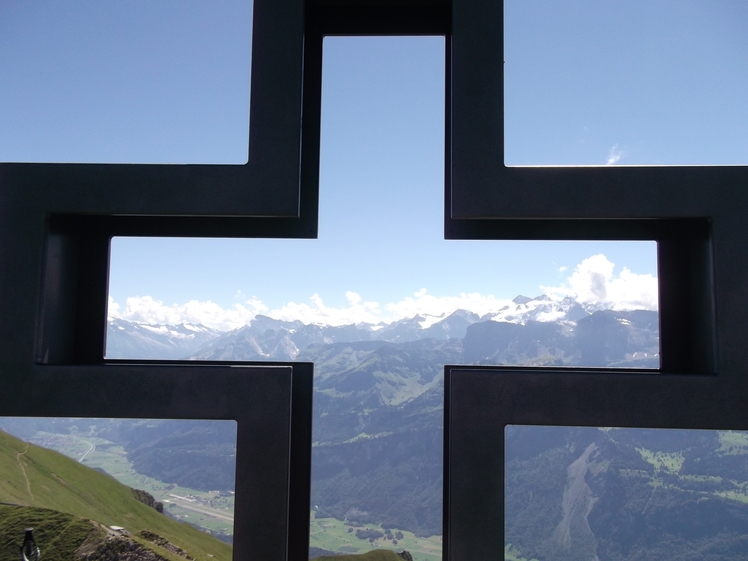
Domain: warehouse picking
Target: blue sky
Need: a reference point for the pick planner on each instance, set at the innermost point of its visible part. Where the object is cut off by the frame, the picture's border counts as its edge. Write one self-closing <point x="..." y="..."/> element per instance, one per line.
<point x="588" y="83"/>
<point x="644" y="82"/>
<point x="132" y="82"/>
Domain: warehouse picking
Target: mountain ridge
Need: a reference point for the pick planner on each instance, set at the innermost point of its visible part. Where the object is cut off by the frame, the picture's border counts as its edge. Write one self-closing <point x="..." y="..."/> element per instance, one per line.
<point x="378" y="389"/>
<point x="266" y="338"/>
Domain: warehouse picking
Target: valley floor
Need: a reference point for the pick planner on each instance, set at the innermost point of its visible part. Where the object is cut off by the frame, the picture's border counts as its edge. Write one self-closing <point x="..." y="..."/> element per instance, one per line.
<point x="211" y="510"/>
<point x="336" y="535"/>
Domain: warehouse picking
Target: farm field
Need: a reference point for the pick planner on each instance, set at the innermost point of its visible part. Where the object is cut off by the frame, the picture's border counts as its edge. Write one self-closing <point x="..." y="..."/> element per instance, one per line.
<point x="336" y="535"/>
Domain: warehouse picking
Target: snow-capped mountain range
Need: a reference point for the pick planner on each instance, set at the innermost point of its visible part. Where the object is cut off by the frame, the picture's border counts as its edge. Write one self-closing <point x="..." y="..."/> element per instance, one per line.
<point x="378" y="389"/>
<point x="267" y="338"/>
<point x="127" y="339"/>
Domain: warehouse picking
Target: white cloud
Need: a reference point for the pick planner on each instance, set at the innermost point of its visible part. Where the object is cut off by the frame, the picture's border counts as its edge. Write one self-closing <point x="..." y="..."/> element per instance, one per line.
<point x="614" y="155"/>
<point x="359" y="311"/>
<point x="426" y="304"/>
<point x="593" y="281"/>
<point x="317" y="312"/>
<point x="113" y="309"/>
<point x="147" y="310"/>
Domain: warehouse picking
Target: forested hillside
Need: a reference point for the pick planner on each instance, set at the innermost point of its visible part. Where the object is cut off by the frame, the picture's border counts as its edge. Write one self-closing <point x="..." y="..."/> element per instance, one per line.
<point x="626" y="494"/>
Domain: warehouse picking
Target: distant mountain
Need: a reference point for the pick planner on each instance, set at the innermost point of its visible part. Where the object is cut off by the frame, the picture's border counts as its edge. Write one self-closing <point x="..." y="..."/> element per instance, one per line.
<point x="265" y="338"/>
<point x="197" y="454"/>
<point x="373" y="373"/>
<point x="603" y="338"/>
<point x="126" y="339"/>
<point x="535" y="332"/>
<point x="388" y="473"/>
<point x="445" y="326"/>
<point x="544" y="308"/>
<point x="378" y="409"/>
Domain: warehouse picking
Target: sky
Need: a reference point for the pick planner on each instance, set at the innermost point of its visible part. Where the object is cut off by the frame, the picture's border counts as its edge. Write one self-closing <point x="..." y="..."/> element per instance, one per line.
<point x="587" y="83"/>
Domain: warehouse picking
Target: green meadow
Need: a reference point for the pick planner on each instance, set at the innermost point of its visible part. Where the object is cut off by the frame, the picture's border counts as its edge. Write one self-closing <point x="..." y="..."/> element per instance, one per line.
<point x="513" y="554"/>
<point x="375" y="555"/>
<point x="335" y="535"/>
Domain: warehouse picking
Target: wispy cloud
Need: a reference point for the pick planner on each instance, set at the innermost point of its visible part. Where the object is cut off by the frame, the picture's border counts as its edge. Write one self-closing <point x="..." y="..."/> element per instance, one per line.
<point x="614" y="155"/>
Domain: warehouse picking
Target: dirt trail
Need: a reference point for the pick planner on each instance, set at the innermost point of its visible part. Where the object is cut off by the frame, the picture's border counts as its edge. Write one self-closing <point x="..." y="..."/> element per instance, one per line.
<point x="23" y="469"/>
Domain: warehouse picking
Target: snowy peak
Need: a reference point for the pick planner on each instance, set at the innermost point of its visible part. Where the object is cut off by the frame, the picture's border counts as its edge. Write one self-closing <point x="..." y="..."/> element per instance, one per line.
<point x="266" y="338"/>
<point x="134" y="340"/>
<point x="544" y="308"/>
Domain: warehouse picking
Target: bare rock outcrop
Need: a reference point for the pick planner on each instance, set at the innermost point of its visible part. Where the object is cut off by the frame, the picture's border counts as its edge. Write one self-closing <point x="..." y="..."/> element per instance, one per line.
<point x="147" y="499"/>
<point x="163" y="542"/>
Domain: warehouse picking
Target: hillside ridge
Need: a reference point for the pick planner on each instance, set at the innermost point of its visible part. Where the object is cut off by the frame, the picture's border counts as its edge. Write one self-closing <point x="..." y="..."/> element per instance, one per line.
<point x="41" y="478"/>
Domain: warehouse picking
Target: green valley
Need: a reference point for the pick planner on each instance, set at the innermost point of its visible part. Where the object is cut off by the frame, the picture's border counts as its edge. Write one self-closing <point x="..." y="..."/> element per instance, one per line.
<point x="103" y="444"/>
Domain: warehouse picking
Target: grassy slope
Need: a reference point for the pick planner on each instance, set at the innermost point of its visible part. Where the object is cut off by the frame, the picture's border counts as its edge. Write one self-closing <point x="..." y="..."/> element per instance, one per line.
<point x="59" y="534"/>
<point x="59" y="483"/>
